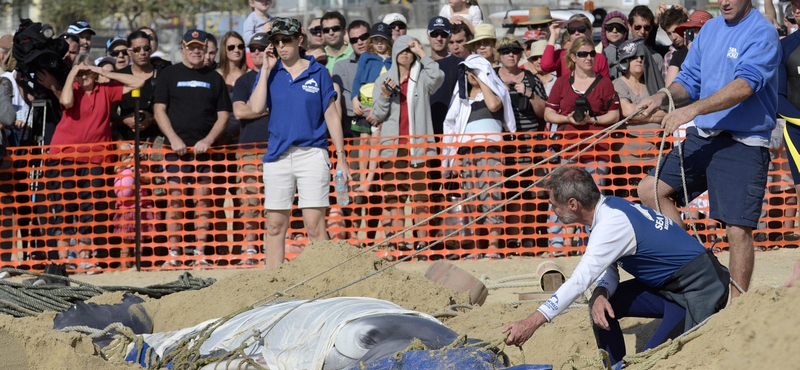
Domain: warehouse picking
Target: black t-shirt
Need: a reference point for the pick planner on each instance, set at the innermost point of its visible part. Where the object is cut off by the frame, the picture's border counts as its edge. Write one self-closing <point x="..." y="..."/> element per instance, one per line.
<point x="193" y="98"/>
<point x="440" y="100"/>
<point x="678" y="57"/>
<point x="126" y="107"/>
<point x="253" y="130"/>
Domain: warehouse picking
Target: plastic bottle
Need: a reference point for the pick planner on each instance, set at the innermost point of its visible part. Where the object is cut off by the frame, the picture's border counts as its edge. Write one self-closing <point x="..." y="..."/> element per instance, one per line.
<point x="340" y="183"/>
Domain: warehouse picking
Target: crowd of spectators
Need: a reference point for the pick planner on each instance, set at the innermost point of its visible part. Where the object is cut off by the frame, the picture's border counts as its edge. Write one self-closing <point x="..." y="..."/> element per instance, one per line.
<point x="335" y="79"/>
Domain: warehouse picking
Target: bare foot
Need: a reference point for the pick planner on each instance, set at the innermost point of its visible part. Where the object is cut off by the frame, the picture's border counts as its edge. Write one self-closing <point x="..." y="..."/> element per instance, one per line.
<point x="795" y="275"/>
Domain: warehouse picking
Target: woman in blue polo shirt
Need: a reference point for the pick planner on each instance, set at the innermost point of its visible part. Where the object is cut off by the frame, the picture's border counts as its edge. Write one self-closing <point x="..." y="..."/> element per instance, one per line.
<point x="300" y="96"/>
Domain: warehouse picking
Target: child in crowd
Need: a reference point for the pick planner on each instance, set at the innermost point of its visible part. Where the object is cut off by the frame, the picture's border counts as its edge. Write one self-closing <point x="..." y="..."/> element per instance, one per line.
<point x="124" y="219"/>
<point x="374" y="62"/>
<point x="468" y="9"/>
<point x="257" y="20"/>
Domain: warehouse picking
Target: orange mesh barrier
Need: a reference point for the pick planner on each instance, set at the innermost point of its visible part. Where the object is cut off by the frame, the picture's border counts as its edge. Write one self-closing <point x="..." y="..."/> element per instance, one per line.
<point x="77" y="206"/>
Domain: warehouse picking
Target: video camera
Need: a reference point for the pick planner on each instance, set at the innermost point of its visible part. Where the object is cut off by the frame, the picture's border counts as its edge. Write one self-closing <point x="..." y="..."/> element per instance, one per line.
<point x="35" y="49"/>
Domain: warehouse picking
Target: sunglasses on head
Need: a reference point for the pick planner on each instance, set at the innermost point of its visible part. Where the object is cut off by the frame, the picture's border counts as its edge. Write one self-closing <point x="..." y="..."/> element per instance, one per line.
<point x="116" y="53"/>
<point x="506" y="51"/>
<point x="437" y="34"/>
<point x="253" y="49"/>
<point x="639" y="26"/>
<point x="284" y="39"/>
<point x="329" y="29"/>
<point x="572" y="30"/>
<point x="364" y="37"/>
<point x="137" y="49"/>
<point x="237" y="46"/>
<point x="584" y="54"/>
<point x="615" y="26"/>
<point x="398" y="25"/>
<point x="316" y="31"/>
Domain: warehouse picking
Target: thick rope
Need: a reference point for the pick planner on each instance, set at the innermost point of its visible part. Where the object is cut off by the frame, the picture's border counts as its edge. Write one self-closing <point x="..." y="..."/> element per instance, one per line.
<point x="22" y="300"/>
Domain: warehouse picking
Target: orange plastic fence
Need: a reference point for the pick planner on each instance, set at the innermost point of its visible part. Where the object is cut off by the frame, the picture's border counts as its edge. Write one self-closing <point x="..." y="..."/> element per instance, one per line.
<point x="74" y="204"/>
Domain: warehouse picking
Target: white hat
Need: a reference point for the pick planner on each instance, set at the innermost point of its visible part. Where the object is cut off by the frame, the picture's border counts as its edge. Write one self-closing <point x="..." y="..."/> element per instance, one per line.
<point x="394" y="17"/>
<point x="105" y="59"/>
<point x="159" y="55"/>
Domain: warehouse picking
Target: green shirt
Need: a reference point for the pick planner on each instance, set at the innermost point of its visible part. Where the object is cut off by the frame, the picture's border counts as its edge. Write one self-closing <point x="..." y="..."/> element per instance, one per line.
<point x="332" y="60"/>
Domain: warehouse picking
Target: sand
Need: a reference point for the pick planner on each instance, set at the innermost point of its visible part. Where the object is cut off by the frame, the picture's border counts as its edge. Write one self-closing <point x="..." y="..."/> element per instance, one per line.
<point x="755" y="331"/>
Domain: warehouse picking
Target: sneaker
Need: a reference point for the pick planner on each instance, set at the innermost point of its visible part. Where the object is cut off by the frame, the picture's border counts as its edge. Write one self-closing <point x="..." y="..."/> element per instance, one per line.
<point x="173" y="262"/>
<point x="202" y="261"/>
<point x="251" y="261"/>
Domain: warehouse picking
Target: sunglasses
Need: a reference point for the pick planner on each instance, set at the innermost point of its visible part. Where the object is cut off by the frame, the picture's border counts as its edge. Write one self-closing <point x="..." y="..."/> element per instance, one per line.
<point x="616" y="26"/>
<point x="584" y="54"/>
<point x="572" y="30"/>
<point x="364" y="37"/>
<point x="316" y="31"/>
<point x="84" y="73"/>
<point x="334" y="29"/>
<point x="253" y="49"/>
<point x="542" y="26"/>
<point x="534" y="58"/>
<point x="639" y="26"/>
<point x="237" y="46"/>
<point x="282" y="39"/>
<point x="506" y="51"/>
<point x="398" y="25"/>
<point x="116" y="53"/>
<point x="137" y="49"/>
<point x="437" y="34"/>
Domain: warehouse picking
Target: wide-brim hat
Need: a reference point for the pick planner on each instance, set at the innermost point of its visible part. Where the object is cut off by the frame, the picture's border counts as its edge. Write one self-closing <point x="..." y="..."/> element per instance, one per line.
<point x="696" y="20"/>
<point x="538" y="15"/>
<point x="537" y="48"/>
<point x="483" y="31"/>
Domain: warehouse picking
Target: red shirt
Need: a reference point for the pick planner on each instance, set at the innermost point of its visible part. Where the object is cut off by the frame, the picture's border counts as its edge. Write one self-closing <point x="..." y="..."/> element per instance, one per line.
<point x="553" y="60"/>
<point x="602" y="99"/>
<point x="88" y="120"/>
<point x="403" y="111"/>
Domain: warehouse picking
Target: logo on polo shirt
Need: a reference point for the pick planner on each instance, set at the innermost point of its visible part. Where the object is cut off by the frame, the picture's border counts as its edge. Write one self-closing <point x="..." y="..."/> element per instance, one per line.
<point x="311" y="86"/>
<point x="552" y="303"/>
<point x="733" y="53"/>
<point x="194" y="83"/>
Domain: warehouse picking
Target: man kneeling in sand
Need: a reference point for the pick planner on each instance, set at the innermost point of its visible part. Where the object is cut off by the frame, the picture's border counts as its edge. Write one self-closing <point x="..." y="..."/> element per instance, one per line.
<point x="675" y="278"/>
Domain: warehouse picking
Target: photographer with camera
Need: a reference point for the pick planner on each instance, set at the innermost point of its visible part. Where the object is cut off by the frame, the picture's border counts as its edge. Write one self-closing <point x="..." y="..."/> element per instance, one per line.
<point x="581" y="103"/>
<point x="401" y="102"/>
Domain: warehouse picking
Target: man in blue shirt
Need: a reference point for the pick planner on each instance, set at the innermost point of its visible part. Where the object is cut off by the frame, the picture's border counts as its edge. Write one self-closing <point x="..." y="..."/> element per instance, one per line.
<point x="674" y="277"/>
<point x="730" y="78"/>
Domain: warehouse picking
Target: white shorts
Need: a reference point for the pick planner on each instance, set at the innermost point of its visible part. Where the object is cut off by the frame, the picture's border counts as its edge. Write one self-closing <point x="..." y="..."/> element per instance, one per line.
<point x="306" y="169"/>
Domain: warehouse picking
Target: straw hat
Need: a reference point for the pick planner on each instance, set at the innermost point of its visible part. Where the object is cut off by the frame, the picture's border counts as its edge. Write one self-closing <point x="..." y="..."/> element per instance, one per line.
<point x="483" y="31"/>
<point x="538" y="15"/>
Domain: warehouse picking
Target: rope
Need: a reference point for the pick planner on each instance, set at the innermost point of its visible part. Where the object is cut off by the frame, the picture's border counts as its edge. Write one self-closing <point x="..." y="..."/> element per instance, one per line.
<point x="589" y="363"/>
<point x="511" y="281"/>
<point x="187" y="351"/>
<point x="683" y="181"/>
<point x="22" y="300"/>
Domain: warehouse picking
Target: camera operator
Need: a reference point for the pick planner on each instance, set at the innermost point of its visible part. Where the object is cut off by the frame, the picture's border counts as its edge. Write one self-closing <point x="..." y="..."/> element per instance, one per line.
<point x="583" y="101"/>
<point x="42" y="66"/>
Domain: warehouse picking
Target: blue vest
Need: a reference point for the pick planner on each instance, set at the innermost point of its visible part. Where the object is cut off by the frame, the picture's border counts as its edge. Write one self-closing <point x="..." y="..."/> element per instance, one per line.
<point x="662" y="246"/>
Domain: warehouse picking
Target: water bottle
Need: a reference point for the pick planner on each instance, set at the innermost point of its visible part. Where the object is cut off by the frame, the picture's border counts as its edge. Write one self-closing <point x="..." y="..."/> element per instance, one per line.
<point x="340" y="183"/>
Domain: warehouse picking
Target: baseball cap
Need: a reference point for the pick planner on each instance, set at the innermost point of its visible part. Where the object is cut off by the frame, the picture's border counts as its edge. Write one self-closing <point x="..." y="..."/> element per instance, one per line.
<point x="285" y="26"/>
<point x="394" y="17"/>
<point x="111" y="43"/>
<point x="80" y="26"/>
<point x="159" y="55"/>
<point x="616" y="20"/>
<point x="439" y="23"/>
<point x="630" y="49"/>
<point x="106" y="59"/>
<point x="260" y="39"/>
<point x="380" y="29"/>
<point x="195" y="36"/>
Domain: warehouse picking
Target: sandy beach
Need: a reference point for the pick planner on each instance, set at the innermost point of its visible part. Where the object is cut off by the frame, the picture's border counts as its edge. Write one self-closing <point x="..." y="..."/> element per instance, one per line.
<point x="758" y="330"/>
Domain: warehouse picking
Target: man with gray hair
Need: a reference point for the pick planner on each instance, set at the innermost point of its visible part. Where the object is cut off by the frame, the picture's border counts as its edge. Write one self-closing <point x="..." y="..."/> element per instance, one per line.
<point x="674" y="277"/>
